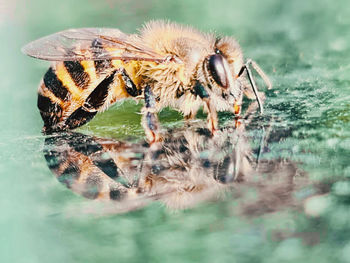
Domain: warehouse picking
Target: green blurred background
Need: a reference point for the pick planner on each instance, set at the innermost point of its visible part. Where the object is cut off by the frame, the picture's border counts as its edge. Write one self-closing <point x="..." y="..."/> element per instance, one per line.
<point x="302" y="44"/>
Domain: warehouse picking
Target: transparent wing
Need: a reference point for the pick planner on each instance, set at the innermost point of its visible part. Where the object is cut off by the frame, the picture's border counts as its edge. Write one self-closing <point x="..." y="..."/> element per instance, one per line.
<point x="90" y="44"/>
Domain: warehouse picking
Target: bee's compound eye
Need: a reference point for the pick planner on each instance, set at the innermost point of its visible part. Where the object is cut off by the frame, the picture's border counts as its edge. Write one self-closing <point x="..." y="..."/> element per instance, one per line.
<point x="217" y="70"/>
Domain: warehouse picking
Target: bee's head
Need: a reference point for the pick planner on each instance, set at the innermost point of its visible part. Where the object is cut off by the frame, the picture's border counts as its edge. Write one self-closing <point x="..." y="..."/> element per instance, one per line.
<point x="219" y="70"/>
<point x="220" y="82"/>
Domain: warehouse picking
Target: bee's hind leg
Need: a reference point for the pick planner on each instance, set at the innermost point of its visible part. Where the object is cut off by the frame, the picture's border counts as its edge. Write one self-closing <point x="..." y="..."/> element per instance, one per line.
<point x="97" y="100"/>
<point x="150" y="120"/>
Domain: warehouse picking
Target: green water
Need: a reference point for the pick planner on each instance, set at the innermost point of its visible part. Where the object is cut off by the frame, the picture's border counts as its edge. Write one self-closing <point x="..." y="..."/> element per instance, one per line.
<point x="304" y="48"/>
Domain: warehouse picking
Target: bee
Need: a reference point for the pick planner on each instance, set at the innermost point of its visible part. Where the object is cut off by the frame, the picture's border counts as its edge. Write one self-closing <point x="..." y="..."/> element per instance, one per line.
<point x="165" y="64"/>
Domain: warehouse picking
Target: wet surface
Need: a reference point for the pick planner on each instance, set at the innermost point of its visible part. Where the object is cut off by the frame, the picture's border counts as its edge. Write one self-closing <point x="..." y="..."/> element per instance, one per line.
<point x="276" y="190"/>
<point x="187" y="165"/>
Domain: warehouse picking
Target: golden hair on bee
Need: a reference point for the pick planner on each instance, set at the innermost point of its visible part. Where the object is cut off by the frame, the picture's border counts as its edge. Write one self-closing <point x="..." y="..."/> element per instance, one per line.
<point x="165" y="64"/>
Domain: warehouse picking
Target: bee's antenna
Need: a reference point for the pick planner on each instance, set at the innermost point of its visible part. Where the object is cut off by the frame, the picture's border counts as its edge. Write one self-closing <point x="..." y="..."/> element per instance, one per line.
<point x="261" y="74"/>
<point x="251" y="79"/>
<point x="252" y="82"/>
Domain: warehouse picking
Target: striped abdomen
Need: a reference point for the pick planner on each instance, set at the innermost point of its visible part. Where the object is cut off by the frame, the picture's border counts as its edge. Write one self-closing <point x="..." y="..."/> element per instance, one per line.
<point x="72" y="92"/>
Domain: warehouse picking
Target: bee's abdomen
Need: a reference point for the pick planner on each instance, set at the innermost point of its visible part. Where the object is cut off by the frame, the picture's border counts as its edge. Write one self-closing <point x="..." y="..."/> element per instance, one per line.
<point x="76" y="71"/>
<point x="50" y="111"/>
<point x="55" y="85"/>
<point x="61" y="90"/>
<point x="72" y="92"/>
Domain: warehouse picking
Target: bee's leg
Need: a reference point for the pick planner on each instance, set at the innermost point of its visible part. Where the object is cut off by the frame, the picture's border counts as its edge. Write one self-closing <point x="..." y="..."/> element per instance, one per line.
<point x="93" y="103"/>
<point x="99" y="96"/>
<point x="150" y="120"/>
<point x="100" y="99"/>
<point x="212" y="114"/>
<point x="236" y="110"/>
<point x="190" y="116"/>
<point x="130" y="86"/>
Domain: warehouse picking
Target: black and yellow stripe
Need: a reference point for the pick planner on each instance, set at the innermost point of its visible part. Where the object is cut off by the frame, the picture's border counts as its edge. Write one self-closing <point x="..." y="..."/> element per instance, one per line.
<point x="76" y="71"/>
<point x="91" y="168"/>
<point x="55" y="85"/>
<point x="72" y="92"/>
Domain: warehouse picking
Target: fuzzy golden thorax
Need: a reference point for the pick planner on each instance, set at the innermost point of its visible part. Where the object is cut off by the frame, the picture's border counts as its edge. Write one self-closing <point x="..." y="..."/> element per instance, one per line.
<point x="188" y="51"/>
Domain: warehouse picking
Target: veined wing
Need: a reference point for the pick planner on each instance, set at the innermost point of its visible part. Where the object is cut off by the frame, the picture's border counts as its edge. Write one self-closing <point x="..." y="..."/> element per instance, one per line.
<point x="91" y="44"/>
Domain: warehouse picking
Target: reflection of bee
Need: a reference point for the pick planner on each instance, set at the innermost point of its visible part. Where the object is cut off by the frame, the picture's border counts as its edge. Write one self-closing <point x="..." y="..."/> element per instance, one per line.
<point x="167" y="64"/>
<point x="186" y="164"/>
<point x="189" y="165"/>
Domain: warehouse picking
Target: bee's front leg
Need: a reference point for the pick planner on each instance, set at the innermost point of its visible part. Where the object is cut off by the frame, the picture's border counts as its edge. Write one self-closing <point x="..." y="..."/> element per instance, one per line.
<point x="150" y="120"/>
<point x="212" y="114"/>
<point x="212" y="118"/>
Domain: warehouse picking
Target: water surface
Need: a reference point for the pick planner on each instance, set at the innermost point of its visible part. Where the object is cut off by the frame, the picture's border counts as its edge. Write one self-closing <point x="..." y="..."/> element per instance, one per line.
<point x="302" y="45"/>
